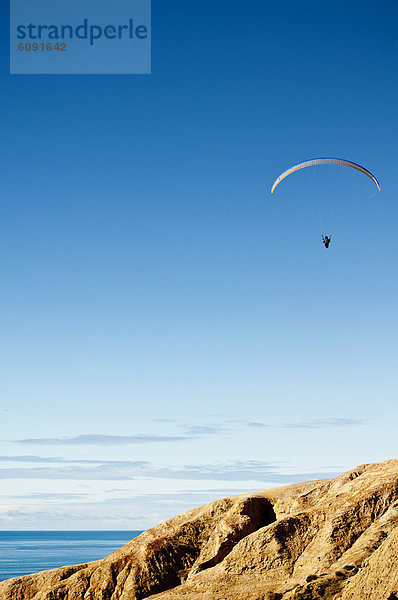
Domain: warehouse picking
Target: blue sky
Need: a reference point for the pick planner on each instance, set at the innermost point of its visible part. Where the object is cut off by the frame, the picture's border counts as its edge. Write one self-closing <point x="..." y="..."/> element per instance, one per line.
<point x="171" y="333"/>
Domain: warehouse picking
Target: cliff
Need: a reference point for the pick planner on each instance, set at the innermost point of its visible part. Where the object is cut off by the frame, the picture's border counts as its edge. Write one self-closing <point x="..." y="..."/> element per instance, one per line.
<point x="326" y="539"/>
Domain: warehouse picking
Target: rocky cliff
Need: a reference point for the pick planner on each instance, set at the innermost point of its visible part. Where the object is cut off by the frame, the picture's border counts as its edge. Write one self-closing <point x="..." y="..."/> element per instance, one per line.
<point x="326" y="539"/>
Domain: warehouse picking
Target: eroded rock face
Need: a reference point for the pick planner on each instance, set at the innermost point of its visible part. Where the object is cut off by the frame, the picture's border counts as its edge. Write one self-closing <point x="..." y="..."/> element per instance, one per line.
<point x="324" y="539"/>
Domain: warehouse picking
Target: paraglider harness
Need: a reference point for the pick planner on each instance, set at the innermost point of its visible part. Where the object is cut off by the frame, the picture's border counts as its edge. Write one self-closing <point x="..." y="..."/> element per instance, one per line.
<point x="326" y="240"/>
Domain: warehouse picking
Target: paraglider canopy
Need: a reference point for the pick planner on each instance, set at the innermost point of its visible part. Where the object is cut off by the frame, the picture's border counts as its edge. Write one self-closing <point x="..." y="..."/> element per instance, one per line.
<point x="325" y="161"/>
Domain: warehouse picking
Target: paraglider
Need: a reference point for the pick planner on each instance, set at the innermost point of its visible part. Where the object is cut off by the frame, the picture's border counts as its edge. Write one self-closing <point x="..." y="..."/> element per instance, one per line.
<point x="326" y="240"/>
<point x="325" y="161"/>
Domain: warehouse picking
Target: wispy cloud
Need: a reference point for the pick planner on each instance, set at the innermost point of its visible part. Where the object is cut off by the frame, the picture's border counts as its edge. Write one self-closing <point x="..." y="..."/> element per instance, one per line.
<point x="189" y="432"/>
<point x="199" y="430"/>
<point x="30" y="459"/>
<point x="58" y="497"/>
<point x="76" y="461"/>
<point x="311" y="424"/>
<point x="237" y="471"/>
<point x="44" y="517"/>
<point x="99" y="473"/>
<point x="103" y="440"/>
<point x="242" y="471"/>
<point x="324" y="423"/>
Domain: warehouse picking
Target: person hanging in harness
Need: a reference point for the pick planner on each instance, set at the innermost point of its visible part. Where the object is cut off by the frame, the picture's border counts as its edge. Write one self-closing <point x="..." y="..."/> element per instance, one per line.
<point x="326" y="240"/>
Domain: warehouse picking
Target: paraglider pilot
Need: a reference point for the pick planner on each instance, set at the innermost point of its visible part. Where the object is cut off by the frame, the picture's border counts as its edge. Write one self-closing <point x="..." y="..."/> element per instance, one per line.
<point x="326" y="240"/>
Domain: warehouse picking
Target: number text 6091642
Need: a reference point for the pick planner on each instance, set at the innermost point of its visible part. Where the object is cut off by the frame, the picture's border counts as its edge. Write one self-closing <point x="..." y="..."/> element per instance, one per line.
<point x="42" y="47"/>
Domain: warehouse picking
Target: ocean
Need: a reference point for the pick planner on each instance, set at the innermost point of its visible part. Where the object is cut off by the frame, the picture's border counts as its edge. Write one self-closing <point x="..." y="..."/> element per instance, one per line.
<point x="24" y="552"/>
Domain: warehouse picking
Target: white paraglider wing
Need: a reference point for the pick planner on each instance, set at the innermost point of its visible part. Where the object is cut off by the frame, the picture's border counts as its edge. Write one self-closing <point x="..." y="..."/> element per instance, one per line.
<point x="325" y="161"/>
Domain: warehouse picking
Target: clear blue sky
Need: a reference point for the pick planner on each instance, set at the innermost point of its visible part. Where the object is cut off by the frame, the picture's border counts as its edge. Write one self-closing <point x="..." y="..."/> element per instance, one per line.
<point x="156" y="300"/>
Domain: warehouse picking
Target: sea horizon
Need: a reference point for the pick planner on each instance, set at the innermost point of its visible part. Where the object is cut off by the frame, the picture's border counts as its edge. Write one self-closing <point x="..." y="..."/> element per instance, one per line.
<point x="23" y="552"/>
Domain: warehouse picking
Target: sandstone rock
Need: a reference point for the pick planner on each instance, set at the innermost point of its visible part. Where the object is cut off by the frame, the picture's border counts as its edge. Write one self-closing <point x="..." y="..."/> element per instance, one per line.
<point x="329" y="539"/>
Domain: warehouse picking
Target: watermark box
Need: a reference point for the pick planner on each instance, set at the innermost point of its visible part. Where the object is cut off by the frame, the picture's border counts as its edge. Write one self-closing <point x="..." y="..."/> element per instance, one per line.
<point x="80" y="36"/>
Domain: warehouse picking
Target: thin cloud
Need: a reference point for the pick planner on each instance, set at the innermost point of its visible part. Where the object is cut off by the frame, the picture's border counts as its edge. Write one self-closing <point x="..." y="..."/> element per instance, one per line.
<point x="237" y="471"/>
<point x="324" y="423"/>
<point x="98" y="473"/>
<point x="57" y="516"/>
<point x="199" y="430"/>
<point x="58" y="497"/>
<point x="78" y="461"/>
<point x="30" y="459"/>
<point x="103" y="440"/>
<point x="190" y="432"/>
<point x="311" y="424"/>
<point x="255" y="471"/>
